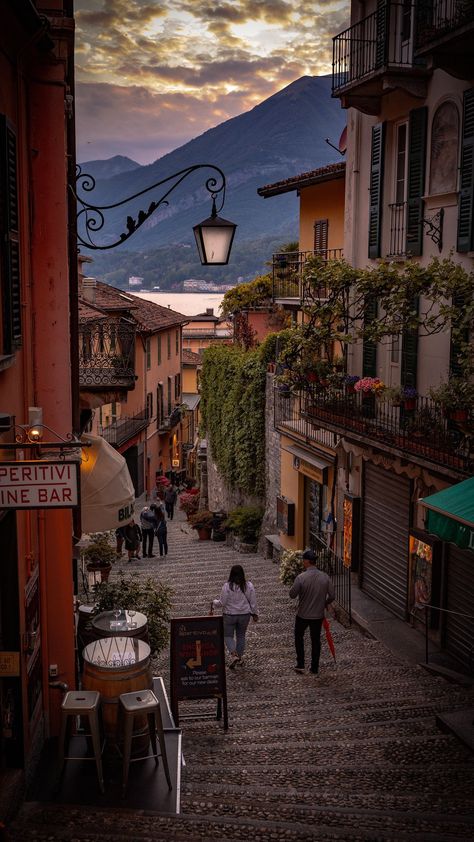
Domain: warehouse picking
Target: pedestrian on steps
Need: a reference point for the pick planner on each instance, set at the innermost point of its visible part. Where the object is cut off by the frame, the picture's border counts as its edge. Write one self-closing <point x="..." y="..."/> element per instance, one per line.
<point x="133" y="535"/>
<point x="315" y="592"/>
<point x="149" y="524"/>
<point x="170" y="501"/>
<point x="162" y="532"/>
<point x="239" y="603"/>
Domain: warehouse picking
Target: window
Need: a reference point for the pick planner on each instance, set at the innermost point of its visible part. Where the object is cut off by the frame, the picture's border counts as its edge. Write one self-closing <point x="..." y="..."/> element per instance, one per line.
<point x="169" y="394"/>
<point x="168" y="340"/>
<point x="149" y="405"/>
<point x="148" y="354"/>
<point x="401" y="174"/>
<point x="395" y="349"/>
<point x="159" y="348"/>
<point x="177" y="342"/>
<point x="9" y="241"/>
<point x="444" y="149"/>
<point x="160" y="408"/>
<point x="177" y="387"/>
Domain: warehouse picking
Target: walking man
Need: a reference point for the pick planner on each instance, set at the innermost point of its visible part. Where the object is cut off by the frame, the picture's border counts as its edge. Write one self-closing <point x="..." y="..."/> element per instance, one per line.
<point x="148" y="523"/>
<point x="170" y="500"/>
<point x="315" y="592"/>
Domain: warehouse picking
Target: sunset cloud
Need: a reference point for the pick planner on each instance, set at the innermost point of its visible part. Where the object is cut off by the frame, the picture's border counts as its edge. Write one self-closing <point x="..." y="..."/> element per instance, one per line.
<point x="153" y="74"/>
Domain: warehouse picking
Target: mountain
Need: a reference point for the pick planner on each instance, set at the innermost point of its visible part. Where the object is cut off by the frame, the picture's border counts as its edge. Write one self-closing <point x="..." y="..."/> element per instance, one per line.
<point x="281" y="137"/>
<point x="110" y="167"/>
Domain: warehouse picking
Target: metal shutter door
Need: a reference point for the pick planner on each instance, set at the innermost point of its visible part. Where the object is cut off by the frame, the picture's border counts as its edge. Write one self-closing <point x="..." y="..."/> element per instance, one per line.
<point x="459" y="639"/>
<point x="385" y="537"/>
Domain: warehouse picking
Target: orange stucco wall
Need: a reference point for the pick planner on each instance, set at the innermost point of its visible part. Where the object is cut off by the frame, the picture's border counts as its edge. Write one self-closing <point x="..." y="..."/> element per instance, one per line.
<point x="322" y="201"/>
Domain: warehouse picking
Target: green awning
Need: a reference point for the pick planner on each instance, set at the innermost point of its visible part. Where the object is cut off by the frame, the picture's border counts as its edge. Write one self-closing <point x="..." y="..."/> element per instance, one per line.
<point x="451" y="514"/>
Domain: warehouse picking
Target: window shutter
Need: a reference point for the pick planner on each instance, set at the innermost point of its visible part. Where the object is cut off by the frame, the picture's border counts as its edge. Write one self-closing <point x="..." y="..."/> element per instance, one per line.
<point x="369" y="348"/>
<point x="321" y="229"/>
<point x="382" y="37"/>
<point x="416" y="179"/>
<point x="376" y="189"/>
<point x="410" y="354"/>
<point x="10" y="257"/>
<point x="466" y="183"/>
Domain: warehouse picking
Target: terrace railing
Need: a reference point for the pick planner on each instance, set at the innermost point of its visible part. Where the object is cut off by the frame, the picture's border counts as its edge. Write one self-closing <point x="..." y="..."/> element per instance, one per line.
<point x="398" y="215"/>
<point x="124" y="429"/>
<point x="331" y="563"/>
<point x="438" y="18"/>
<point x="291" y="418"/>
<point x="288" y="273"/>
<point x="106" y="355"/>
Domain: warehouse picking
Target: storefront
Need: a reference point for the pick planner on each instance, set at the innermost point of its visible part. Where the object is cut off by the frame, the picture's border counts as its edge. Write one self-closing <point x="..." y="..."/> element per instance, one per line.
<point x="307" y="478"/>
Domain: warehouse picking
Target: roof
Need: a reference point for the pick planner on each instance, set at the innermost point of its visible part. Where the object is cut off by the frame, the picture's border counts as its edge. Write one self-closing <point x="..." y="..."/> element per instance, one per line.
<point x="190" y="358"/>
<point x="304" y="179"/>
<point x="150" y="317"/>
<point x="89" y="312"/>
<point x="191" y="399"/>
<point x="203" y="317"/>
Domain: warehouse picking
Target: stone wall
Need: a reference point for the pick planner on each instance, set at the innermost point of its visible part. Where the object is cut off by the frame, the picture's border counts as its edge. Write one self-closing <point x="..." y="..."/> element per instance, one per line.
<point x="272" y="462"/>
<point x="220" y="496"/>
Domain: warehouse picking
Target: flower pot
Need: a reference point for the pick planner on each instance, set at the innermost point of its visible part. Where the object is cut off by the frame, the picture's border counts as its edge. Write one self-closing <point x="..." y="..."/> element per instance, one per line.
<point x="312" y="377"/>
<point x="367" y="396"/>
<point x="204" y="534"/>
<point x="409" y="403"/>
<point x="457" y="414"/>
<point x="104" y="570"/>
<point x="350" y="389"/>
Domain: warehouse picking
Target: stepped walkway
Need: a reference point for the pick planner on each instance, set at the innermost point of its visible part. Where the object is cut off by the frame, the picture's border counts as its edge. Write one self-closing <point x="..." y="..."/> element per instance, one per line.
<point x="352" y="754"/>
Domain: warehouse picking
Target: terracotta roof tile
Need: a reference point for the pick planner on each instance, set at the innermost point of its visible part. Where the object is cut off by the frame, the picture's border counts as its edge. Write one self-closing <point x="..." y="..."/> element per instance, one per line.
<point x="190" y="357"/>
<point x="150" y="317"/>
<point x="304" y="179"/>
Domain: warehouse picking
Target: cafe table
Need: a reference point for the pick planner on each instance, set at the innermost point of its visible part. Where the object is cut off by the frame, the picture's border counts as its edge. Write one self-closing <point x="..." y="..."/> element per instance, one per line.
<point x="112" y="666"/>
<point x="106" y="624"/>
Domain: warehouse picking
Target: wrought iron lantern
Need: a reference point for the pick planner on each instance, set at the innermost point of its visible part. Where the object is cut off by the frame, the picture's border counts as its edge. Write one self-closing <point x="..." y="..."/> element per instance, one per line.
<point x="214" y="237"/>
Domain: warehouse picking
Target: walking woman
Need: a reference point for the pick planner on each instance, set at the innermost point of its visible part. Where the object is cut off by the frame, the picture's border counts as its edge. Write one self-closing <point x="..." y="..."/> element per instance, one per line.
<point x="162" y="532"/>
<point x="239" y="604"/>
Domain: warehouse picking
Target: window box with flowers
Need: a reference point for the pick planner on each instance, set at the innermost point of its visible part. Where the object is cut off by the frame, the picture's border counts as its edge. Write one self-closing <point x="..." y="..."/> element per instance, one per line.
<point x="369" y="386"/>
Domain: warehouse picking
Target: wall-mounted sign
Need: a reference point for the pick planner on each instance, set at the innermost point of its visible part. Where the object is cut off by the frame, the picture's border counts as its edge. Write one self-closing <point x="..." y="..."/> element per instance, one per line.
<point x="285" y="515"/>
<point x="39" y="485"/>
<point x="351" y="531"/>
<point x="425" y="574"/>
<point x="9" y="664"/>
<point x="175" y="463"/>
<point x="309" y="470"/>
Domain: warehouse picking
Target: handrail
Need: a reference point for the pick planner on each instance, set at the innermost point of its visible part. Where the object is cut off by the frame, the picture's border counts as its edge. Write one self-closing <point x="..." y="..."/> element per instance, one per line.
<point x="444" y="610"/>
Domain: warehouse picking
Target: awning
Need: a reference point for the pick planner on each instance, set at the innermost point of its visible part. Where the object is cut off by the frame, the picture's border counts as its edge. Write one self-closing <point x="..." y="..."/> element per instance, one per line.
<point x="107" y="492"/>
<point x="451" y="514"/>
<point x="190" y="399"/>
<point x="309" y="463"/>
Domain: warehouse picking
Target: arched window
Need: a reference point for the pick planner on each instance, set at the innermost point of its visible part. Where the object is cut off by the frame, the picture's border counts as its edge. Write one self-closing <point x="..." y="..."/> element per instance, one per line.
<point x="444" y="149"/>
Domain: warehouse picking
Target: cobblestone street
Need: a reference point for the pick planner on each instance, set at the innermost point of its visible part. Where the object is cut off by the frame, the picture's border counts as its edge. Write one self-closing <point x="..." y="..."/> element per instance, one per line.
<point x="353" y="754"/>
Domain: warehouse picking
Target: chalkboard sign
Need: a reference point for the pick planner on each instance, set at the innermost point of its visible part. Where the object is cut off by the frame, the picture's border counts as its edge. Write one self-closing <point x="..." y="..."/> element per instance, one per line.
<point x="198" y="662"/>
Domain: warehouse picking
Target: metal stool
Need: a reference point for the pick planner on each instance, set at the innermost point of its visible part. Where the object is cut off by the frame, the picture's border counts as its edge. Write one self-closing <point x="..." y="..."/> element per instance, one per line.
<point x="132" y="704"/>
<point x="81" y="703"/>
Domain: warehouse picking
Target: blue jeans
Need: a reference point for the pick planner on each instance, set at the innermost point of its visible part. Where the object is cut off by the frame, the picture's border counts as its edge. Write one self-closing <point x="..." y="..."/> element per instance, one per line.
<point x="235" y="625"/>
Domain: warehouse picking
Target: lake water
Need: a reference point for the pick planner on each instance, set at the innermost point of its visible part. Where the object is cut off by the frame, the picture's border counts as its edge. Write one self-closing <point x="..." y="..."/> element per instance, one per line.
<point x="187" y="303"/>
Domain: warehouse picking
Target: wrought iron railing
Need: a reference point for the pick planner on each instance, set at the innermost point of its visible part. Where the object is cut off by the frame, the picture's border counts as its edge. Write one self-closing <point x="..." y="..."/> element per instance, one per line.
<point x="123" y="429"/>
<point x="378" y="41"/>
<point x="398" y="215"/>
<point x="288" y="273"/>
<point x="329" y="562"/>
<point x="437" y="18"/>
<point x="106" y="354"/>
<point x="418" y="429"/>
<point x="169" y="421"/>
<point x="291" y="417"/>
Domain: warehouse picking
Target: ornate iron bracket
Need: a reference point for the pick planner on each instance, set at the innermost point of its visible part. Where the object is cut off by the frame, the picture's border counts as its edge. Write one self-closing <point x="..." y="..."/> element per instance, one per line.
<point x="434" y="227"/>
<point x="91" y="218"/>
<point x="25" y="440"/>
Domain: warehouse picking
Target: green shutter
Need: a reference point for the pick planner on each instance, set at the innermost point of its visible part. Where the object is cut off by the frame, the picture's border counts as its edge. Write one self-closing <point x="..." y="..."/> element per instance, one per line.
<point x="376" y="189"/>
<point x="369" y="348"/>
<point x="466" y="182"/>
<point x="10" y="252"/>
<point x="416" y="179"/>
<point x="410" y="354"/>
<point x="382" y="36"/>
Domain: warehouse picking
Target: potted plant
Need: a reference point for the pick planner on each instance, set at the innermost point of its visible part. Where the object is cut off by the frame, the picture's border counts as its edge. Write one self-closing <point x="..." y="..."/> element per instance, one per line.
<point x="369" y="386"/>
<point x="394" y="395"/>
<point x="245" y="523"/>
<point x="150" y="597"/>
<point x="99" y="555"/>
<point x="350" y="381"/>
<point x="409" y="396"/>
<point x="291" y="564"/>
<point x="188" y="503"/>
<point x="456" y="398"/>
<point x="202" y="522"/>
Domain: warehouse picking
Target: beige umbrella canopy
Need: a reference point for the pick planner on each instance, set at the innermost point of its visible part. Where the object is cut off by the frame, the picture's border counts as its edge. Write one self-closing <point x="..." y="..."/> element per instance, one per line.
<point x="107" y="492"/>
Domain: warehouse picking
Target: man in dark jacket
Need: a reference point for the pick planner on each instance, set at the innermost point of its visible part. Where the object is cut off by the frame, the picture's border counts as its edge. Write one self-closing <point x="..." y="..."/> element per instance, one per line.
<point x="315" y="591"/>
<point x="148" y="523"/>
<point x="170" y="500"/>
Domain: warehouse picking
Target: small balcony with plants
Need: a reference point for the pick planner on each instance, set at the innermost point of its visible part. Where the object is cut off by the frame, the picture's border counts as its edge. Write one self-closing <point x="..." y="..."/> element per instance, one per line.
<point x="374" y="56"/>
<point x="290" y="286"/>
<point x="444" y="31"/>
<point x="106" y="355"/>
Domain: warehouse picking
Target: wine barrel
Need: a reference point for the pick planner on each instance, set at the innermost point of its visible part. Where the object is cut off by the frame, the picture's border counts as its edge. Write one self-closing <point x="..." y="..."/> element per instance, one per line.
<point x="116" y="665"/>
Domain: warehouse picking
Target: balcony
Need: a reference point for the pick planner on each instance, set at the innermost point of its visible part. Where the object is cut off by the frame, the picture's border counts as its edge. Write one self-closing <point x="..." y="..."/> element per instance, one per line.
<point x="125" y="428"/>
<point x="398" y="215"/>
<point x="375" y="56"/>
<point x="444" y="32"/>
<point x="292" y="419"/>
<point x="419" y="433"/>
<point x="288" y="285"/>
<point x="165" y="424"/>
<point x="106" y="356"/>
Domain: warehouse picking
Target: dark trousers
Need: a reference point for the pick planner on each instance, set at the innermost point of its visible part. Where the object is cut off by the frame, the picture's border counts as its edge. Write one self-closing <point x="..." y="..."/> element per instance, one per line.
<point x="163" y="542"/>
<point x="315" y="631"/>
<point x="148" y="536"/>
<point x="169" y="510"/>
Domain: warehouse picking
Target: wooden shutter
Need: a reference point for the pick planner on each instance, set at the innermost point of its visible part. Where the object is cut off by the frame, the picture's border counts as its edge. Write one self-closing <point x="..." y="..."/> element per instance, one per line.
<point x="369" y="348"/>
<point x="376" y="189"/>
<point x="410" y="354"/>
<point x="10" y="256"/>
<point x="466" y="182"/>
<point x="382" y="37"/>
<point x="416" y="179"/>
<point x="321" y="229"/>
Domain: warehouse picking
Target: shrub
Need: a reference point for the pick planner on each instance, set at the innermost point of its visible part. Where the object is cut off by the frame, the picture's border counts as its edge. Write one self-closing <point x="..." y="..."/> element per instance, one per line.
<point x="202" y="519"/>
<point x="246" y="521"/>
<point x="291" y="564"/>
<point x="151" y="598"/>
<point x="100" y="552"/>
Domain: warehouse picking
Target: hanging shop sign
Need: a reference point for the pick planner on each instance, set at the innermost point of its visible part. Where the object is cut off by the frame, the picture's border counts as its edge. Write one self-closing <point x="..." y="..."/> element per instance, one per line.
<point x="351" y="531"/>
<point x="39" y="485"/>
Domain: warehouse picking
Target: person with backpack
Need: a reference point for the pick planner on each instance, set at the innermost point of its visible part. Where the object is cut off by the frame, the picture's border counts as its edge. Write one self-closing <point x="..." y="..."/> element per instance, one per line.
<point x="162" y="533"/>
<point x="148" y="523"/>
<point x="170" y="501"/>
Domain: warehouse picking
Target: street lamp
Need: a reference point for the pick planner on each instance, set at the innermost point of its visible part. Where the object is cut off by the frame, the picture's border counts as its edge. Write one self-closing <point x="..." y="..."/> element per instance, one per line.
<point x="214" y="236"/>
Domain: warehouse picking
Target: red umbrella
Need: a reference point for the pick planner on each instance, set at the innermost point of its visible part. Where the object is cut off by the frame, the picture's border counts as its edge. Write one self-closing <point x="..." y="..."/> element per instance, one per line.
<point x="327" y="631"/>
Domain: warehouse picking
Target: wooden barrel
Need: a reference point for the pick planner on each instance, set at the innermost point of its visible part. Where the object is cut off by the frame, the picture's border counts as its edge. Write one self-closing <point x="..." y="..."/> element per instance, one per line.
<point x="116" y="665"/>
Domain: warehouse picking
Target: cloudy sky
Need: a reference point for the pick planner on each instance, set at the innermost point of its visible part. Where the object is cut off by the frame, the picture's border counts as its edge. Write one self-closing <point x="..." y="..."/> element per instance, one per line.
<point x="153" y="74"/>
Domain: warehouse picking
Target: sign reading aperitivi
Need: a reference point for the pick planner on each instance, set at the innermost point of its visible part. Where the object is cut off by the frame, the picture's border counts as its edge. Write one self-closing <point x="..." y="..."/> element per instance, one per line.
<point x="39" y="485"/>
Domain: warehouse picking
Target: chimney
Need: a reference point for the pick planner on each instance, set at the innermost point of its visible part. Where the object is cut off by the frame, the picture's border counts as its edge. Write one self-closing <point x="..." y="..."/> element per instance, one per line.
<point x="89" y="288"/>
<point x="209" y="311"/>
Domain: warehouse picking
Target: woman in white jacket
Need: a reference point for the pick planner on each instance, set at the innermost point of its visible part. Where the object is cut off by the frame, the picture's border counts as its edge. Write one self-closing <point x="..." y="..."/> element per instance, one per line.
<point x="239" y="604"/>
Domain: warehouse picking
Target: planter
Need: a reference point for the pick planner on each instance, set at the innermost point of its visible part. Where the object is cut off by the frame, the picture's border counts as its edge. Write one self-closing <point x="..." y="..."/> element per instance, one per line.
<point x="104" y="570"/>
<point x="350" y="389"/>
<point x="312" y="377"/>
<point x="409" y="404"/>
<point x="204" y="534"/>
<point x="457" y="414"/>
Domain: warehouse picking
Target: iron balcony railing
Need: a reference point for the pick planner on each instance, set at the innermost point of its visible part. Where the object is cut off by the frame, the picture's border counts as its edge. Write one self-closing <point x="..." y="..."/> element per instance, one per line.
<point x="379" y="41"/>
<point x="291" y="418"/>
<point x="106" y="355"/>
<point x="169" y="421"/>
<point x="437" y="18"/>
<point x="398" y="216"/>
<point x="331" y="563"/>
<point x="288" y="273"/>
<point x="418" y="429"/>
<point x="124" y="429"/>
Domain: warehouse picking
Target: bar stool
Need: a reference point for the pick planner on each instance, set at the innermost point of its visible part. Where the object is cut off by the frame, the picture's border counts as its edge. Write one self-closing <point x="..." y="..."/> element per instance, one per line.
<point x="81" y="703"/>
<point x="142" y="702"/>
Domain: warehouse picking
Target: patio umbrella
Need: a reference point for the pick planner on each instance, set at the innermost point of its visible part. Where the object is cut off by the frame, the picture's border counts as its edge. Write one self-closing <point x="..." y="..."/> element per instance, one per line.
<point x="330" y="641"/>
<point x="107" y="492"/>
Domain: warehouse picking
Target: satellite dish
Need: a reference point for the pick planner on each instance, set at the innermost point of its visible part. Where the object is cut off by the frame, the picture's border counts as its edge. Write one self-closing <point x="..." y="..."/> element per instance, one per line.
<point x="342" y="145"/>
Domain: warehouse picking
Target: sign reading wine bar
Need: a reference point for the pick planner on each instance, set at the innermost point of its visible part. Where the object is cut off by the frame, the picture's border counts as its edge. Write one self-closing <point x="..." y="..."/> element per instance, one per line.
<point x="39" y="485"/>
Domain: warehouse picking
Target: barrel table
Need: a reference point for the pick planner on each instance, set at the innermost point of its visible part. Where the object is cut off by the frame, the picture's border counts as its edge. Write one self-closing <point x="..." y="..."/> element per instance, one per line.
<point x="126" y="624"/>
<point x="115" y="665"/>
